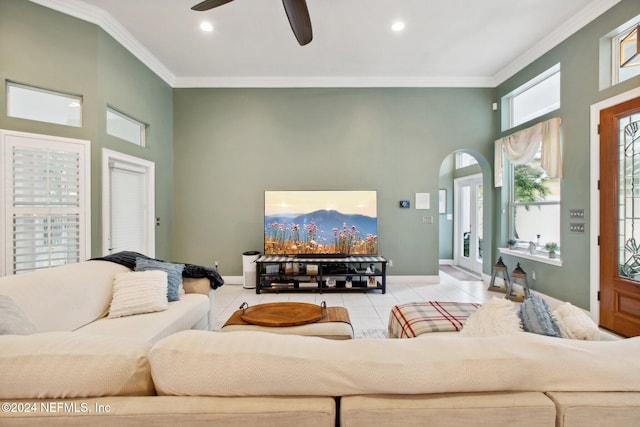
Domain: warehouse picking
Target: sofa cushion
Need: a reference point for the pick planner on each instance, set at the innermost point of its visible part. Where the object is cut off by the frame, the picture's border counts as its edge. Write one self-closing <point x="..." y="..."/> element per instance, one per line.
<point x="574" y="323"/>
<point x="495" y="317"/>
<point x="138" y="292"/>
<point x="13" y="319"/>
<point x="536" y="317"/>
<point x="595" y="409"/>
<point x="72" y="364"/>
<point x="173" y="270"/>
<point x="449" y="410"/>
<point x="191" y="310"/>
<point x="260" y="363"/>
<point x="64" y="298"/>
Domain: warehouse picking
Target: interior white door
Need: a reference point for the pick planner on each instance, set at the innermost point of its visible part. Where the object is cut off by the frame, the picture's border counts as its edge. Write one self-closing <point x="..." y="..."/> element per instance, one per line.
<point x="128" y="201"/>
<point x="468" y="193"/>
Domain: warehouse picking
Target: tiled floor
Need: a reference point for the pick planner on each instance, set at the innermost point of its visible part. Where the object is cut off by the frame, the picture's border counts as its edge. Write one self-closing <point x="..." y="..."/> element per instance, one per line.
<point x="366" y="310"/>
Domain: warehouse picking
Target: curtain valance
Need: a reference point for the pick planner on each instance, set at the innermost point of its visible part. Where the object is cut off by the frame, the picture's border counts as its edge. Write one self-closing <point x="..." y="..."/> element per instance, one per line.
<point x="522" y="146"/>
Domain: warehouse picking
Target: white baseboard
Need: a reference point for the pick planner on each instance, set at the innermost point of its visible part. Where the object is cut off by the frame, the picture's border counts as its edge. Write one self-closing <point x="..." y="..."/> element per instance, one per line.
<point x="233" y="280"/>
<point x="445" y="262"/>
<point x="413" y="279"/>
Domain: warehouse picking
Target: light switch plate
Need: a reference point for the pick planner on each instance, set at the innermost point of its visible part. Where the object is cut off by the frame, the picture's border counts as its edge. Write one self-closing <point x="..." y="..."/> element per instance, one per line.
<point x="576" y="227"/>
<point x="576" y="213"/>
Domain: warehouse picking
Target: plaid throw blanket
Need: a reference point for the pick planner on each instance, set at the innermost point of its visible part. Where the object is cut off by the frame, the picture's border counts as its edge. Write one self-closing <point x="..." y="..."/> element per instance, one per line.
<point x="416" y="318"/>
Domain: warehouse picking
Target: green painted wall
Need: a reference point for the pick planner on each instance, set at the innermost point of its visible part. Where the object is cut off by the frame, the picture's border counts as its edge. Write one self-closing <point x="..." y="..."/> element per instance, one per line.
<point x="44" y="48"/>
<point x="217" y="150"/>
<point x="578" y="56"/>
<point x="233" y="144"/>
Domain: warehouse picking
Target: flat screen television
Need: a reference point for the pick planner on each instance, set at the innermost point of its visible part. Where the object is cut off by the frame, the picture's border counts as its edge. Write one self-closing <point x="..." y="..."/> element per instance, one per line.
<point x="320" y="223"/>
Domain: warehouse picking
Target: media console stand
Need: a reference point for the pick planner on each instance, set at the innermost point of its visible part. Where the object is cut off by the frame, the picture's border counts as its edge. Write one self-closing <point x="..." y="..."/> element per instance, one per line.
<point x="357" y="273"/>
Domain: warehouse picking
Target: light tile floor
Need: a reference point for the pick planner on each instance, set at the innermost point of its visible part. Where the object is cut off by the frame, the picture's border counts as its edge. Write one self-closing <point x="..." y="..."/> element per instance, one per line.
<point x="366" y="310"/>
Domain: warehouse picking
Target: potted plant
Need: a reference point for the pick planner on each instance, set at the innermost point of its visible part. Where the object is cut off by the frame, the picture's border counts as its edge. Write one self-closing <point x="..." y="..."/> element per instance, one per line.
<point x="512" y="243"/>
<point x="551" y="247"/>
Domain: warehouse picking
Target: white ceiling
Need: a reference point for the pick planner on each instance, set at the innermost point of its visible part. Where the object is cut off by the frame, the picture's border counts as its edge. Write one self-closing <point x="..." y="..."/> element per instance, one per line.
<point x="452" y="43"/>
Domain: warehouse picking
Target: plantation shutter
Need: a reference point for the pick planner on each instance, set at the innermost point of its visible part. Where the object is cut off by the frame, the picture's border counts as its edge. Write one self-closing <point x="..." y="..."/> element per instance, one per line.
<point x="45" y="199"/>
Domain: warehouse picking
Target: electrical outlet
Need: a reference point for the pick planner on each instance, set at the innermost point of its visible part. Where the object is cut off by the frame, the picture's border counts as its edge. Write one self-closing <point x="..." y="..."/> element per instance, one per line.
<point x="390" y="263"/>
<point x="427" y="219"/>
<point x="533" y="275"/>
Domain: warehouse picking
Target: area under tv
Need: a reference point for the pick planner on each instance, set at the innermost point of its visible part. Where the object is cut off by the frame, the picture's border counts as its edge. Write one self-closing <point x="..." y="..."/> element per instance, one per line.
<point x="351" y="273"/>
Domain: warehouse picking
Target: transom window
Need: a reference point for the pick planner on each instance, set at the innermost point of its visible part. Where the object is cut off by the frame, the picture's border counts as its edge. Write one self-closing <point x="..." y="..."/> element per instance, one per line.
<point x="125" y="127"/>
<point x="33" y="103"/>
<point x="463" y="160"/>
<point x="535" y="98"/>
<point x="626" y="59"/>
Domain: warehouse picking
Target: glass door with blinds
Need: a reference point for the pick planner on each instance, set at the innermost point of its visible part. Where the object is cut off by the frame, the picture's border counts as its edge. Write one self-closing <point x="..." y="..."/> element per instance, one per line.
<point x="128" y="202"/>
<point x="44" y="211"/>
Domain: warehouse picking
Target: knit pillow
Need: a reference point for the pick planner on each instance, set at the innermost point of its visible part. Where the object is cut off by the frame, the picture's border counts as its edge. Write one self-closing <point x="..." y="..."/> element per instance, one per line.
<point x="575" y="323"/>
<point x="137" y="292"/>
<point x="536" y="317"/>
<point x="174" y="274"/>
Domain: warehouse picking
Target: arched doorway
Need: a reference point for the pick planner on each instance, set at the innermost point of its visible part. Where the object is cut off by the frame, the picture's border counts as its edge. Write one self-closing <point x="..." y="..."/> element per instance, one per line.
<point x="465" y="225"/>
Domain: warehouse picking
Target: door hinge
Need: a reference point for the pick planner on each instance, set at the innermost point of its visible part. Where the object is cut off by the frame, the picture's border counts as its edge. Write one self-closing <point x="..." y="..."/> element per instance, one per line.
<point x="598" y="185"/>
<point x="598" y="128"/>
<point x="598" y="295"/>
<point x="598" y="240"/>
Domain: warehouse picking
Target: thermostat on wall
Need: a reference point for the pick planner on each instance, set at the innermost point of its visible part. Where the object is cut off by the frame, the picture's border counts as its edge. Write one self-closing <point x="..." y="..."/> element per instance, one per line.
<point x="405" y="203"/>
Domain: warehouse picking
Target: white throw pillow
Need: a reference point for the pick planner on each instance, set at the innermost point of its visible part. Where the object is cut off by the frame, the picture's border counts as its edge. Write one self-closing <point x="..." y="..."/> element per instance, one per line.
<point x="137" y="292"/>
<point x="495" y="317"/>
<point x="575" y="323"/>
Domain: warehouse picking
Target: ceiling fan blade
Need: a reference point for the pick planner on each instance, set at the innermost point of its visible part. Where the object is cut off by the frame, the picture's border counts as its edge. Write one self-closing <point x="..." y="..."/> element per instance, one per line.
<point x="209" y="4"/>
<point x="299" y="19"/>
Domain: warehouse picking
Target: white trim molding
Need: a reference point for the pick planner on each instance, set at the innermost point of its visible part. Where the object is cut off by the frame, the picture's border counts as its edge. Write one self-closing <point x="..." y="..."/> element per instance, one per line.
<point x="563" y="32"/>
<point x="104" y="20"/>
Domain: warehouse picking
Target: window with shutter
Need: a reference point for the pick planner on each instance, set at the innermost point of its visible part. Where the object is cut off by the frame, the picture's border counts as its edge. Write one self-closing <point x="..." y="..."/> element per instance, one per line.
<point x="44" y="202"/>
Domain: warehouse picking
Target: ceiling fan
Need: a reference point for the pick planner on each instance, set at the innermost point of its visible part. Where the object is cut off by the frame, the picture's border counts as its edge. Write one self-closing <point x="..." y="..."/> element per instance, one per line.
<point x="296" y="10"/>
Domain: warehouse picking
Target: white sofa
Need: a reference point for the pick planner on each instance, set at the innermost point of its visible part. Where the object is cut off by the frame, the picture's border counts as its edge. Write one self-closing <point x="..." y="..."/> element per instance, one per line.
<point x="76" y="297"/>
<point x="265" y="379"/>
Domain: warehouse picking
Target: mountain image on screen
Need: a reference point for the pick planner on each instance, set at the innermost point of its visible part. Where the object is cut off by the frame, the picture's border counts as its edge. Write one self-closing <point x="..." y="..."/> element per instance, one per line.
<point x="320" y="232"/>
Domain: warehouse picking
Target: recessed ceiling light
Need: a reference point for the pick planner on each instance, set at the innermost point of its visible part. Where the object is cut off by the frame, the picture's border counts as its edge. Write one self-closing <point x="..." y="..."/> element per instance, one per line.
<point x="398" y="26"/>
<point x="206" y="26"/>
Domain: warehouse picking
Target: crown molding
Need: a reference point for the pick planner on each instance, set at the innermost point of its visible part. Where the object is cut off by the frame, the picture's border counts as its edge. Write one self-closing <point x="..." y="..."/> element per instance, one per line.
<point x="573" y="25"/>
<point x="97" y="16"/>
<point x="109" y="24"/>
<point x="326" y="82"/>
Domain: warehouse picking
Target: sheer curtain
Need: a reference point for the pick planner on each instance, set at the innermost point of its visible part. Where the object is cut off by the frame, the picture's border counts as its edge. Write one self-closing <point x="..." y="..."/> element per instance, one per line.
<point x="522" y="146"/>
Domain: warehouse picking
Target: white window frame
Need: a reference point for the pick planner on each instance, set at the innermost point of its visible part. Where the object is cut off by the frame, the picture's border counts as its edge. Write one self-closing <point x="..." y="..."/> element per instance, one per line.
<point x="83" y="147"/>
<point x="508" y="99"/>
<point x="142" y="142"/>
<point x="74" y="101"/>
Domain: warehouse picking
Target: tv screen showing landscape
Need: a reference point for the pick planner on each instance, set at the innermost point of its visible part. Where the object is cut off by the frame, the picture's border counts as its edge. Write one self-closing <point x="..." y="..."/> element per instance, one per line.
<point x="320" y="222"/>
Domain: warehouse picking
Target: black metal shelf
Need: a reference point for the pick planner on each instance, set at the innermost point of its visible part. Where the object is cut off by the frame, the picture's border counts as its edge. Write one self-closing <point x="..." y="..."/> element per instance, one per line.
<point x="290" y="278"/>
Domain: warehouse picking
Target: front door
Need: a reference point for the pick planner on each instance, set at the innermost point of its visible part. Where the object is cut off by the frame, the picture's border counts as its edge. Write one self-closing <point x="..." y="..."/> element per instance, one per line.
<point x="468" y="223"/>
<point x="620" y="218"/>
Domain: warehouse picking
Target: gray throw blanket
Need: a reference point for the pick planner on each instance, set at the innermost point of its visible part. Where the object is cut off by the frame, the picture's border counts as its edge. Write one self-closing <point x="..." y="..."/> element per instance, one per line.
<point x="128" y="259"/>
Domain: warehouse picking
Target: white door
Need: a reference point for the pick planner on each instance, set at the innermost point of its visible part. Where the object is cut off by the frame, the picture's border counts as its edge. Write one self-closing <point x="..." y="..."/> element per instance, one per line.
<point x="468" y="193"/>
<point x="128" y="204"/>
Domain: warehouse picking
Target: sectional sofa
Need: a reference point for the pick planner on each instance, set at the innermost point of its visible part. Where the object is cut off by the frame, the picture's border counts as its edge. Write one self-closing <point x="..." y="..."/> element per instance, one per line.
<point x="72" y="373"/>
